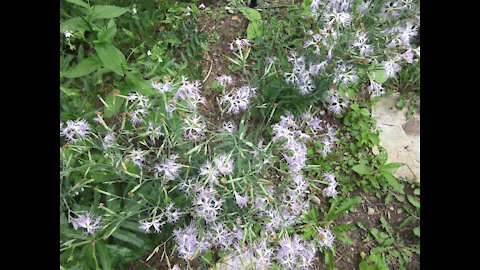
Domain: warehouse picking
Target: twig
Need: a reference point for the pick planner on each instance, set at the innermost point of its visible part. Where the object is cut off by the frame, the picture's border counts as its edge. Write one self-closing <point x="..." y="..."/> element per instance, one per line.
<point x="209" y="71"/>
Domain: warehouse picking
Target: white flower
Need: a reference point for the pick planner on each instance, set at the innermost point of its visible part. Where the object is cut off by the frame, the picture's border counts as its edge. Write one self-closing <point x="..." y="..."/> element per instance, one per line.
<point x="202" y="6"/>
<point x="134" y="10"/>
<point x="149" y="53"/>
<point x="68" y="33"/>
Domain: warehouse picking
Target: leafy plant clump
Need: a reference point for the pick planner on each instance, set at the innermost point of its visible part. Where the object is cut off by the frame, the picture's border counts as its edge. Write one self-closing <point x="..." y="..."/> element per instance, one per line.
<point x="259" y="173"/>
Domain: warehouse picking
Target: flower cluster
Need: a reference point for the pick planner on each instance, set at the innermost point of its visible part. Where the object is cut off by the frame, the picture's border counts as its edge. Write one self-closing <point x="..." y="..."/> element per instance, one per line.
<point x="301" y="76"/>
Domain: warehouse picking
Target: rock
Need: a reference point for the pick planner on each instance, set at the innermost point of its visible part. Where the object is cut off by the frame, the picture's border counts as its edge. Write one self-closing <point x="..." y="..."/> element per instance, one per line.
<point x="234" y="18"/>
<point x="399" y="136"/>
<point x="399" y="211"/>
<point x="370" y="211"/>
<point x="391" y="208"/>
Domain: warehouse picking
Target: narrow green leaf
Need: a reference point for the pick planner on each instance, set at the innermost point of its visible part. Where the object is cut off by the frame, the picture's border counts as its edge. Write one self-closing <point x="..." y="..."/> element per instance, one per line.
<point x="405" y="222"/>
<point x="345" y="206"/>
<point x="68" y="91"/>
<point x="128" y="237"/>
<point x="104" y="255"/>
<point x="413" y="201"/>
<point x="393" y="182"/>
<point x="386" y="226"/>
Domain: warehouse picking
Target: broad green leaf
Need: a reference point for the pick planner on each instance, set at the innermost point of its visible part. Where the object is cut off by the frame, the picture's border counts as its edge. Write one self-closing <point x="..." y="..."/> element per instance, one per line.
<point x="251" y="14"/>
<point x="111" y="57"/>
<point x="254" y="30"/>
<point x="400" y="103"/>
<point x="104" y="255"/>
<point x="87" y="66"/>
<point x="416" y="231"/>
<point x="74" y="24"/>
<point x="364" y="112"/>
<point x="393" y="182"/>
<point x="362" y="169"/>
<point x="391" y="167"/>
<point x="413" y="201"/>
<point x="79" y="3"/>
<point x="374" y="138"/>
<point x="379" y="75"/>
<point x="355" y="107"/>
<point x="107" y="12"/>
<point x="108" y="34"/>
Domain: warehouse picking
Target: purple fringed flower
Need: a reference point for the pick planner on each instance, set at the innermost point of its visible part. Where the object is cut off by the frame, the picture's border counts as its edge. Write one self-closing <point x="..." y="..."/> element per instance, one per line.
<point x="295" y="253"/>
<point x="241" y="200"/>
<point x="162" y="87"/>
<point x="224" y="164"/>
<point x="138" y="157"/>
<point x="375" y="89"/>
<point x="189" y="244"/>
<point x="238" y="99"/>
<point x="391" y="68"/>
<point x="325" y="237"/>
<point x="154" y="132"/>
<point x="194" y="128"/>
<point x="145" y="226"/>
<point x="142" y="100"/>
<point x="224" y="80"/>
<point x="208" y="170"/>
<point x="136" y="117"/>
<point x="207" y="205"/>
<point x="169" y="168"/>
<point x="75" y="129"/>
<point x="108" y="140"/>
<point x="87" y="222"/>
<point x="263" y="254"/>
<point x="172" y="213"/>
<point x="190" y="93"/>
<point x="229" y="126"/>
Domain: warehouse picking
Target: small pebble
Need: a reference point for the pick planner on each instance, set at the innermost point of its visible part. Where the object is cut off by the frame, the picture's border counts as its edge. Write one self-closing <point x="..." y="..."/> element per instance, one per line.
<point x="399" y="211"/>
<point x="370" y="211"/>
<point x="235" y="18"/>
<point x="391" y="208"/>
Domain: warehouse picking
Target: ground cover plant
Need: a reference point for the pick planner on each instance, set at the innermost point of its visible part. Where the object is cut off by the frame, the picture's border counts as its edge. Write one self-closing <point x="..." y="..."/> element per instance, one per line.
<point x="234" y="134"/>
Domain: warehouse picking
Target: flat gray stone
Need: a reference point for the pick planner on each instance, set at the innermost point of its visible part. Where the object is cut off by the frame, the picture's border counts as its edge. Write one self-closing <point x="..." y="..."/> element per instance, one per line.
<point x="399" y="136"/>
